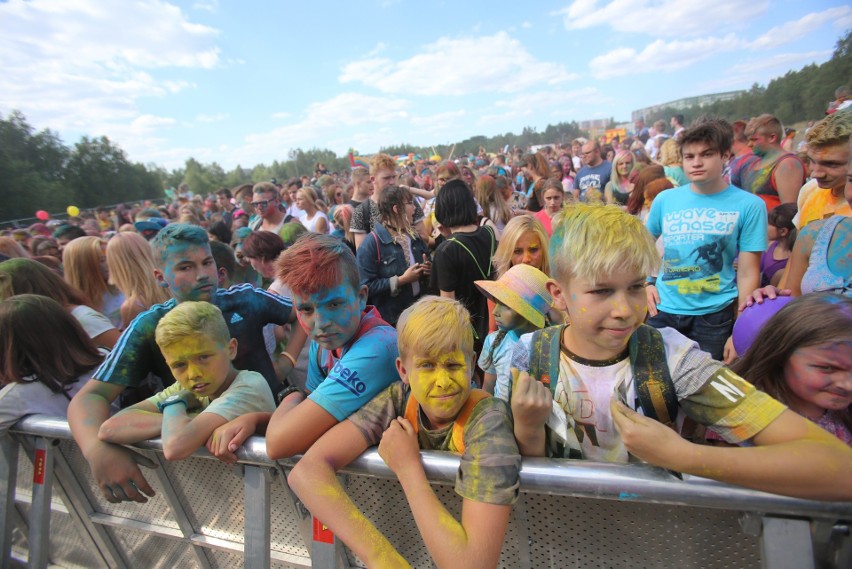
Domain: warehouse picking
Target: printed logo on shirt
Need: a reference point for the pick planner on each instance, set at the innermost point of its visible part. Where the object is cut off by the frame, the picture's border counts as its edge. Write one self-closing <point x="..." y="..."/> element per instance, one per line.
<point x="691" y="225"/>
<point x="236" y="318"/>
<point x="347" y="378"/>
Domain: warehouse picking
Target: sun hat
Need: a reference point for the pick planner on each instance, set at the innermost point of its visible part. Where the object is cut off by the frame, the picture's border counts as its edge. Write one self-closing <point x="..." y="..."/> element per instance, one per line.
<point x="521" y="288"/>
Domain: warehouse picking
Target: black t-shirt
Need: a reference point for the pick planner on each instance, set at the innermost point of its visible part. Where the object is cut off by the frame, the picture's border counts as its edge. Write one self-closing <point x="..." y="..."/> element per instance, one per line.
<point x="456" y="263"/>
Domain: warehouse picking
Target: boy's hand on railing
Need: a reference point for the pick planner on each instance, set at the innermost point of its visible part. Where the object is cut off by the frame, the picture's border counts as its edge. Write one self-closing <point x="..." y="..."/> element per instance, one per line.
<point x="225" y="440"/>
<point x="399" y="447"/>
<point x="646" y="438"/>
<point x="531" y="402"/>
<point x="116" y="470"/>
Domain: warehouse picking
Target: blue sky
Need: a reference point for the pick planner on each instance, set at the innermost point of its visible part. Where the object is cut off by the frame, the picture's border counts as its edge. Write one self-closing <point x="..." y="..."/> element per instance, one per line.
<point x="244" y="82"/>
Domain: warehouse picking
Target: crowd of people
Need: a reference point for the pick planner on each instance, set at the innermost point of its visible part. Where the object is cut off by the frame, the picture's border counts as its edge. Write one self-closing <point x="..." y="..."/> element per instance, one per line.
<point x="681" y="297"/>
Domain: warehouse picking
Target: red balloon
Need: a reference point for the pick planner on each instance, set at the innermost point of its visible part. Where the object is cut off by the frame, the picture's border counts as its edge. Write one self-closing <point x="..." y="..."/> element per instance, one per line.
<point x="42" y="215"/>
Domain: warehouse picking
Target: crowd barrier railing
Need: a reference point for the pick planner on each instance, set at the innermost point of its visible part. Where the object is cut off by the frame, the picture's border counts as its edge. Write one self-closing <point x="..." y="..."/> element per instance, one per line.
<point x="570" y="514"/>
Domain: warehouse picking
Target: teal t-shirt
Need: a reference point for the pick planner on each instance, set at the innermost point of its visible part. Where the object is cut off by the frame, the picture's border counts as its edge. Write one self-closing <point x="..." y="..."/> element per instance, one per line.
<point x="702" y="235"/>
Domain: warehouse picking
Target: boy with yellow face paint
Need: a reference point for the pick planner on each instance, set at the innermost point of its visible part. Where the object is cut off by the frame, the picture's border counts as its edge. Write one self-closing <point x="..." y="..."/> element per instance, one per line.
<point x="194" y="340"/>
<point x="432" y="408"/>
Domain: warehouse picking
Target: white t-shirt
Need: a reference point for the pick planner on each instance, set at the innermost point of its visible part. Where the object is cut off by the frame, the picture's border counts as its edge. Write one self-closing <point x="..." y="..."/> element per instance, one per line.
<point x="17" y="400"/>
<point x="714" y="396"/>
<point x="92" y="321"/>
<point x="249" y="393"/>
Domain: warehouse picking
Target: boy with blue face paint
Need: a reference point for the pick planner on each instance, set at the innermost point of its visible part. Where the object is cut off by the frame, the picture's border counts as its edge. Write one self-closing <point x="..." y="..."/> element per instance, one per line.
<point x="351" y="356"/>
<point x="187" y="268"/>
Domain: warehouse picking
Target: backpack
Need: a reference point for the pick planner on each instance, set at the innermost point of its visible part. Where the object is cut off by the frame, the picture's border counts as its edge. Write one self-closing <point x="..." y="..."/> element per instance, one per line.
<point x="412" y="407"/>
<point x="651" y="378"/>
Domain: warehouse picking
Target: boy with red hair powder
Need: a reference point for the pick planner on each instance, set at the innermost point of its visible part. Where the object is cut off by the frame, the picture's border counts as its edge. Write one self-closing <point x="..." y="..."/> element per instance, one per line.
<point x="352" y="352"/>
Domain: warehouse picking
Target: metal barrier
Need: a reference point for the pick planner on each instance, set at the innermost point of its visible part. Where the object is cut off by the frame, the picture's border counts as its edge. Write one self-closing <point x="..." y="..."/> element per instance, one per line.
<point x="570" y="514"/>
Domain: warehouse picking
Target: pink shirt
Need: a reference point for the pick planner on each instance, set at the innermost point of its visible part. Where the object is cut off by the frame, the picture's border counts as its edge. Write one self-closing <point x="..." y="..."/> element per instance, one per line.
<point x="545" y="220"/>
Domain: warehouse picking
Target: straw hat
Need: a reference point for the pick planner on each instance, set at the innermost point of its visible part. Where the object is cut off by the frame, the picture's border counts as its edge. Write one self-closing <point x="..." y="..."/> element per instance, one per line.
<point x="521" y="288"/>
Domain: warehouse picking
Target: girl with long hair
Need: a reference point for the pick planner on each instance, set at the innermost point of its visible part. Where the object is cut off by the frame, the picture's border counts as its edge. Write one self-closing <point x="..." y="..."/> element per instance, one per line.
<point x="617" y="190"/>
<point x="84" y="261"/>
<point x="47" y="357"/>
<point x="26" y="276"/>
<point x="492" y="203"/>
<point x="314" y="220"/>
<point x="131" y="270"/>
<point x="802" y="357"/>
<point x="536" y="171"/>
<point x="393" y="260"/>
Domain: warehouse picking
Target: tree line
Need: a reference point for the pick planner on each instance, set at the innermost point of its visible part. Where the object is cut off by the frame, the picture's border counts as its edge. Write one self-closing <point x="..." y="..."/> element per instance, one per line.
<point x="37" y="171"/>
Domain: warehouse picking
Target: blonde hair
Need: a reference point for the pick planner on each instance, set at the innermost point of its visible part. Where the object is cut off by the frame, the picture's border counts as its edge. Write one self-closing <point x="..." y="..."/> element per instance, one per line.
<point x="81" y="259"/>
<point x="190" y="318"/>
<point x="434" y="325"/>
<point x="512" y="233"/>
<point x="131" y="269"/>
<point x="670" y="153"/>
<point x="833" y="130"/>
<point x="596" y="241"/>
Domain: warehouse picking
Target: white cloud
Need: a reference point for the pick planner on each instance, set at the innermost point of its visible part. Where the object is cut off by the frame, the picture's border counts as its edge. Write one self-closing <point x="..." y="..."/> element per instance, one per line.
<point x="82" y="66"/>
<point x="455" y="67"/>
<point x="322" y="125"/>
<point x="145" y="124"/>
<point x="661" y="17"/>
<point x="662" y="56"/>
<point x="218" y="117"/>
<point x="840" y="17"/>
<point x="207" y="5"/>
<point x="526" y="25"/>
<point x="782" y="62"/>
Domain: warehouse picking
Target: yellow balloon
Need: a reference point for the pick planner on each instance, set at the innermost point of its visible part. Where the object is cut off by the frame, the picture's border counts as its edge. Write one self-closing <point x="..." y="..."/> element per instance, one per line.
<point x="73" y="210"/>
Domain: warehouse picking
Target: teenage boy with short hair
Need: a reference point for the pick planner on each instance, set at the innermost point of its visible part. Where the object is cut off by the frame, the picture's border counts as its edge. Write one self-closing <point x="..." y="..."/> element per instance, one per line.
<point x="433" y="407"/>
<point x="187" y="268"/>
<point x="366" y="215"/>
<point x="600" y="257"/>
<point x="705" y="225"/>
<point x="351" y="355"/>
<point x="197" y="347"/>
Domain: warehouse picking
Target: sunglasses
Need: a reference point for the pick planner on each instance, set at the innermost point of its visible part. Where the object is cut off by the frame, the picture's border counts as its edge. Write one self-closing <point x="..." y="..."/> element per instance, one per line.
<point x="261" y="204"/>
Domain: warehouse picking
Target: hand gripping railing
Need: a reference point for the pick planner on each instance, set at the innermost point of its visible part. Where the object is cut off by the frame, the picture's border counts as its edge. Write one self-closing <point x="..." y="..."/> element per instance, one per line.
<point x="195" y="520"/>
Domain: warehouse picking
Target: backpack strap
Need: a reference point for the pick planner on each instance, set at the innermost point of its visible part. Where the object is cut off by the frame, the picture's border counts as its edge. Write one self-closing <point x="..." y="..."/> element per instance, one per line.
<point x="651" y="378"/>
<point x="412" y="409"/>
<point x="544" y="355"/>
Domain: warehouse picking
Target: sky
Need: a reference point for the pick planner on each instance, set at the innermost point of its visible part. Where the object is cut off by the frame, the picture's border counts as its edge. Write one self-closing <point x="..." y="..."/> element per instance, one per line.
<point x="243" y="83"/>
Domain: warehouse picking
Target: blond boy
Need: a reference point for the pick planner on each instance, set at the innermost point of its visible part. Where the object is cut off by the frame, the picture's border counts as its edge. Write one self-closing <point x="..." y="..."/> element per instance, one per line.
<point x="435" y="363"/>
<point x="193" y="338"/>
<point x="600" y="258"/>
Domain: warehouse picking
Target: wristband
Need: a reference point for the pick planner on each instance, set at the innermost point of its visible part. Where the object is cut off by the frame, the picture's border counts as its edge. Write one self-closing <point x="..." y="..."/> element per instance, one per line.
<point x="290" y="389"/>
<point x="289" y="357"/>
<point x="172" y="400"/>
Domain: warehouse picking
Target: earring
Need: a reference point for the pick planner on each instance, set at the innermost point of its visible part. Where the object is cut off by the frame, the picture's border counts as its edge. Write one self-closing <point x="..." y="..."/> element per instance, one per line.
<point x="164" y="284"/>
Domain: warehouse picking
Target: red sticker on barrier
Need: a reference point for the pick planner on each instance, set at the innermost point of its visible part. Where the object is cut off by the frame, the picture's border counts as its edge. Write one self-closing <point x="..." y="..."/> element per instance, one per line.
<point x="38" y="466"/>
<point x="321" y="532"/>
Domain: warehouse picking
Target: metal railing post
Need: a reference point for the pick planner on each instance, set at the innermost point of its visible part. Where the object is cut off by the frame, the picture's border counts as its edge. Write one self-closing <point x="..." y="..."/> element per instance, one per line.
<point x="327" y="550"/>
<point x="8" y="481"/>
<point x="257" y="538"/>
<point x="39" y="536"/>
<point x="785" y="543"/>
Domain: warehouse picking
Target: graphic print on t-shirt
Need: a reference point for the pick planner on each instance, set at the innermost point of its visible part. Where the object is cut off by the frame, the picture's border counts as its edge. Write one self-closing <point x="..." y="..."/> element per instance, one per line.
<point x="695" y="240"/>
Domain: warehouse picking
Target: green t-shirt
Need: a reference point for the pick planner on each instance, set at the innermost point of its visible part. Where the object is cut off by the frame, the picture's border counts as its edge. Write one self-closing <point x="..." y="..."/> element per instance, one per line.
<point x="490" y="466"/>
